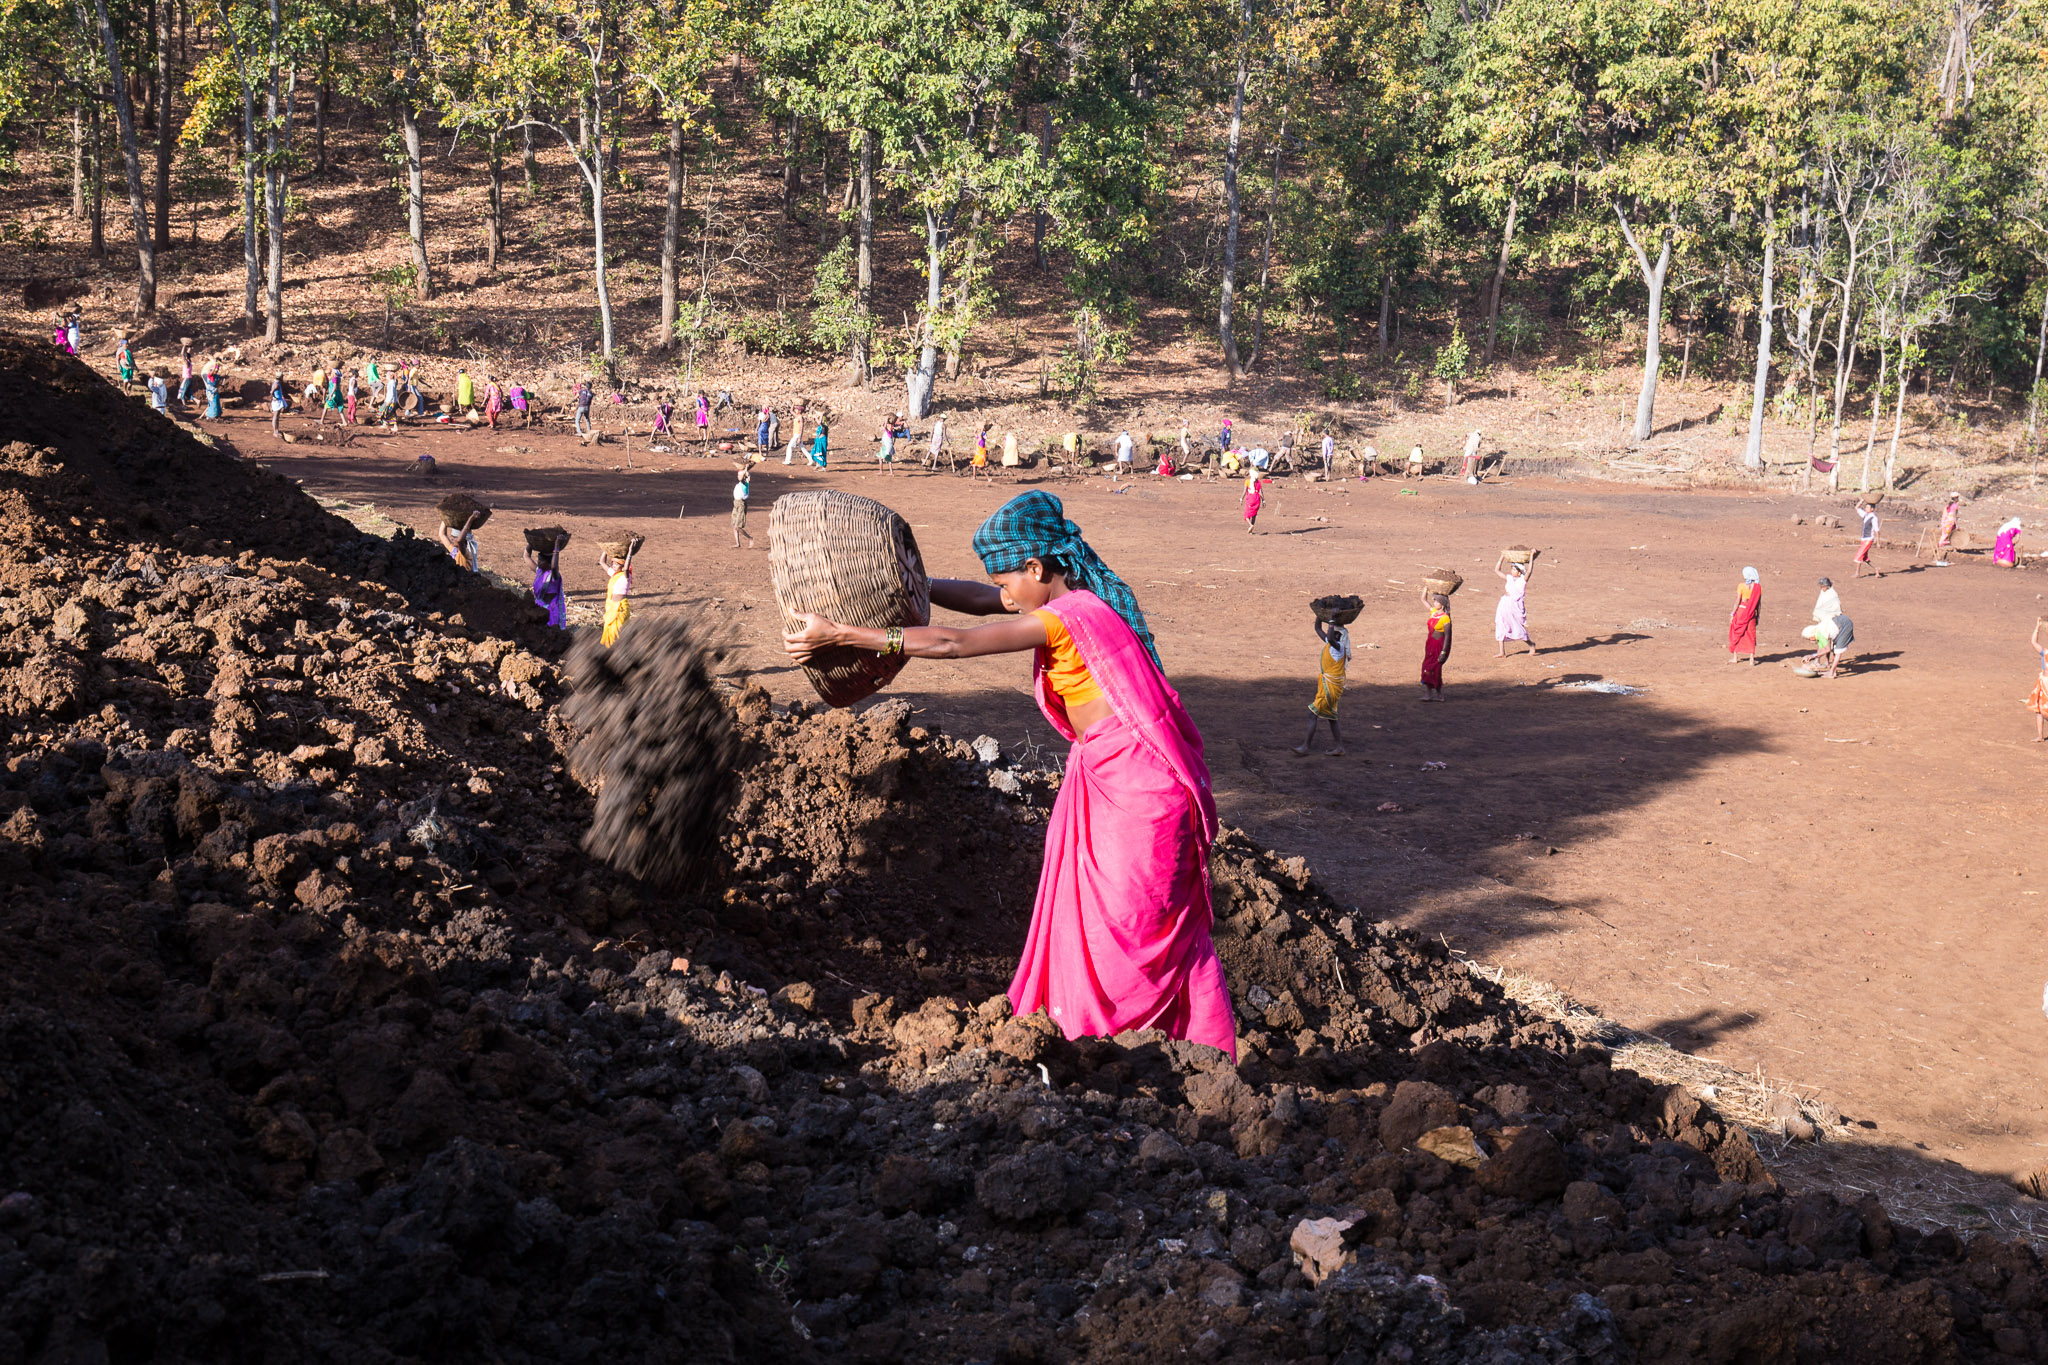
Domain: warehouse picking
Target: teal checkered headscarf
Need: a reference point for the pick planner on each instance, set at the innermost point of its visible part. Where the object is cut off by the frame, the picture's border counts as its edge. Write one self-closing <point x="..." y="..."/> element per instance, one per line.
<point x="1034" y="526"/>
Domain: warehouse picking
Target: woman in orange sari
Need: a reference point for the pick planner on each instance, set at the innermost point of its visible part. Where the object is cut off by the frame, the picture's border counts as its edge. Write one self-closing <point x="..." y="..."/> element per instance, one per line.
<point x="1749" y="599"/>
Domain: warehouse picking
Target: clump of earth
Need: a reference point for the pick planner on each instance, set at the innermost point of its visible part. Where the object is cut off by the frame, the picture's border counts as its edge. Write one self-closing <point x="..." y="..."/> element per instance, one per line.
<point x="323" y="1038"/>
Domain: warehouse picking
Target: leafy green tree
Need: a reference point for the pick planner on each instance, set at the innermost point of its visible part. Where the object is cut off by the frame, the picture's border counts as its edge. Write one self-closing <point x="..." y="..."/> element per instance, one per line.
<point x="929" y="87"/>
<point x="1453" y="361"/>
<point x="541" y="63"/>
<point x="1513" y="131"/>
<point x="89" y="49"/>
<point x="1643" y="121"/>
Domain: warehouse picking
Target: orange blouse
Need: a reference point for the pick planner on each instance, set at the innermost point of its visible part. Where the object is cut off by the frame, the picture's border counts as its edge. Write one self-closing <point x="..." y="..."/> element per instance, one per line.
<point x="1065" y="669"/>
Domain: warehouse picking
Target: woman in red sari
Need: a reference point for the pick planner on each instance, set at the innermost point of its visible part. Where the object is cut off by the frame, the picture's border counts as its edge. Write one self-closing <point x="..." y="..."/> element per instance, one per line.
<point x="1749" y="599"/>
<point x="1119" y="935"/>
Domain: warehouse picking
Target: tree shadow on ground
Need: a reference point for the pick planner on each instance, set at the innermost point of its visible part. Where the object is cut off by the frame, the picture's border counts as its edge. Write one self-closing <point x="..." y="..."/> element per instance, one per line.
<point x="1619" y="637"/>
<point x="1525" y="769"/>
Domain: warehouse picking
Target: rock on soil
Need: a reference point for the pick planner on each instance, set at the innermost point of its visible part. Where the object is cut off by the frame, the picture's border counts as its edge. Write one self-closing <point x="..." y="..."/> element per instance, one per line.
<point x="322" y="1040"/>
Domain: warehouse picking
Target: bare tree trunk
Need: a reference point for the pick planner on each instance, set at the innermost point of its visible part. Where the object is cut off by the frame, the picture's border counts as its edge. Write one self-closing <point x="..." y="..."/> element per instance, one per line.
<point x="494" y="202"/>
<point x="1231" y="209"/>
<point x="1845" y="366"/>
<point x="131" y="156"/>
<point x="1876" y="406"/>
<point x="1891" y="458"/>
<point x="166" y="131"/>
<point x="321" y="99"/>
<point x="98" y="135"/>
<point x="2040" y="354"/>
<point x="77" y="162"/>
<point x="1266" y="257"/>
<point x="792" y="170"/>
<point x="1040" y="220"/>
<point x="277" y="142"/>
<point x="1500" y="276"/>
<point x="1386" y="310"/>
<point x="1753" y="453"/>
<point x="1653" y="333"/>
<point x="919" y="383"/>
<point x="527" y="161"/>
<point x="864" y="278"/>
<point x="1958" y="75"/>
<point x="252" y="270"/>
<point x="415" y="199"/>
<point x="596" y="176"/>
<point x="671" y="237"/>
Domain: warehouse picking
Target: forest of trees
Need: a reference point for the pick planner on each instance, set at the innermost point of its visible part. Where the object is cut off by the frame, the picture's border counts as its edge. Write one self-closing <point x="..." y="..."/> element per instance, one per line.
<point x="1847" y="194"/>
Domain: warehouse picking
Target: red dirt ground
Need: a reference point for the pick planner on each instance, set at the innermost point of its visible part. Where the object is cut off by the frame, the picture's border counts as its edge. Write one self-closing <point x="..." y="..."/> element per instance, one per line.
<point x="1835" y="881"/>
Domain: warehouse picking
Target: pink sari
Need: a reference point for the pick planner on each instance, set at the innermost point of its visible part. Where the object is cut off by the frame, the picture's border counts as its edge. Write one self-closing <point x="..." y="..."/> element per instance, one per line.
<point x="1119" y="936"/>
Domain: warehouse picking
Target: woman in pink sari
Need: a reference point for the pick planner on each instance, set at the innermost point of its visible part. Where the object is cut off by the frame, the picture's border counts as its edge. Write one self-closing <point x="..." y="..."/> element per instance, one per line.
<point x="1119" y="935"/>
<point x="2005" y="551"/>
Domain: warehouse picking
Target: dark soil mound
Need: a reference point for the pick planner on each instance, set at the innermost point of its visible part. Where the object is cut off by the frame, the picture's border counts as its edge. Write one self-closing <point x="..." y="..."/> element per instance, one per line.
<point x="320" y="1039"/>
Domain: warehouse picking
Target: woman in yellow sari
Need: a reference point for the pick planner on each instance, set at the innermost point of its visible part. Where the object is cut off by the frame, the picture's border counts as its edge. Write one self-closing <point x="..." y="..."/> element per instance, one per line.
<point x="617" y="586"/>
<point x="1329" y="686"/>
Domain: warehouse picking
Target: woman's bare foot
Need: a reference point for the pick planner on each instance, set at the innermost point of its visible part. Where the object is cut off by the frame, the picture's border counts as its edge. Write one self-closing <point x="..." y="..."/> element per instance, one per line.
<point x="1334" y="753"/>
<point x="1300" y="751"/>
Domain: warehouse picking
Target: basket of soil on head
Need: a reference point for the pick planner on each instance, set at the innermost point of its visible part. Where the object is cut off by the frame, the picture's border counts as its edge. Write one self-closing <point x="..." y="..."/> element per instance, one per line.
<point x="1445" y="581"/>
<point x="542" y="539"/>
<point x="657" y="741"/>
<point x="624" y="547"/>
<point x="1338" y="611"/>
<point x="1518" y="554"/>
<point x="853" y="560"/>
<point x="457" y="508"/>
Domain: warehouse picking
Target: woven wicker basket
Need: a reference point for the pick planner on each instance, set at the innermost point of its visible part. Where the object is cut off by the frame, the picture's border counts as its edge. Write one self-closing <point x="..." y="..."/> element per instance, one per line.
<point x="457" y="508"/>
<point x="623" y="546"/>
<point x="541" y="539"/>
<point x="853" y="560"/>
<point x="1518" y="554"/>
<point x="1340" y="611"/>
<point x="1445" y="581"/>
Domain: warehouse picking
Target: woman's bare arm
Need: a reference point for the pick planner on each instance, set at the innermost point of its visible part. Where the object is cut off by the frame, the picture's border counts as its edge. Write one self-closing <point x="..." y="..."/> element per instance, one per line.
<point x="920" y="642"/>
<point x="967" y="597"/>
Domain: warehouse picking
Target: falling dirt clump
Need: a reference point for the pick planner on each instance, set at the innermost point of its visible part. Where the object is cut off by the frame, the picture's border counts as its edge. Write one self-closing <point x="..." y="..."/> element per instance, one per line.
<point x="321" y="1040"/>
<point x="656" y="740"/>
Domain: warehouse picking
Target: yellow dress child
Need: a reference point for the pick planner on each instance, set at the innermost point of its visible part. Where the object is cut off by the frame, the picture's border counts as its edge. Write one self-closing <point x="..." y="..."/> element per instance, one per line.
<point x="616" y="608"/>
<point x="1330" y="681"/>
<point x="1329" y="686"/>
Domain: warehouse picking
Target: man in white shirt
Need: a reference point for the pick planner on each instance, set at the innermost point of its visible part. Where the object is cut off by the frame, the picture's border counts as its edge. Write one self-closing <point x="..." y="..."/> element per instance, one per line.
<point x="938" y="445"/>
<point x="1124" y="452"/>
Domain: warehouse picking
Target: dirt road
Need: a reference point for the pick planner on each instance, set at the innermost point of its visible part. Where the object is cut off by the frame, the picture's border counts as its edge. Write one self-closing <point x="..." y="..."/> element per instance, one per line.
<point x="1838" y="881"/>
